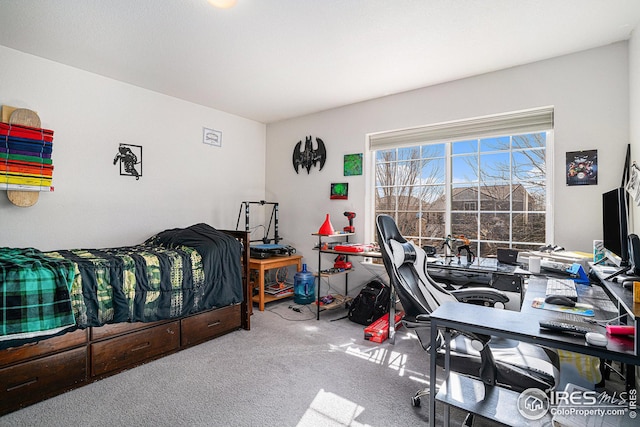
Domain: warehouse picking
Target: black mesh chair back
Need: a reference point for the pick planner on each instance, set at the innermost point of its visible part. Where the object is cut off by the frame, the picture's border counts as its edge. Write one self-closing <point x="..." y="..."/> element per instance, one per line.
<point x="509" y="363"/>
<point x="406" y="265"/>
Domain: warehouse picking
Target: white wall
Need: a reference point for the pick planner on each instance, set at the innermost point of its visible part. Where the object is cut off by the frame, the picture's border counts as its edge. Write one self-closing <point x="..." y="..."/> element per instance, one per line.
<point x="634" y="126"/>
<point x="589" y="91"/>
<point x="184" y="181"/>
<point x="634" y="110"/>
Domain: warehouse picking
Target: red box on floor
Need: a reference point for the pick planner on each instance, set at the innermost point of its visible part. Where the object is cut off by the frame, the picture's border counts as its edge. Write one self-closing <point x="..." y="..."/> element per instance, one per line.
<point x="378" y="331"/>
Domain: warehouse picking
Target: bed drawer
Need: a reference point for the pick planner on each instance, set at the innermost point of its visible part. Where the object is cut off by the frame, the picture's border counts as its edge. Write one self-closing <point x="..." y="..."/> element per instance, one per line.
<point x="111" y="330"/>
<point x="37" y="379"/>
<point x="127" y="350"/>
<point x="210" y="324"/>
<point x="32" y="350"/>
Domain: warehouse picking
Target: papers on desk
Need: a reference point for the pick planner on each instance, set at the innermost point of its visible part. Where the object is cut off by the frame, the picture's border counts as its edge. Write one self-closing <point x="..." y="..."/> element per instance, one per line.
<point x="581" y="309"/>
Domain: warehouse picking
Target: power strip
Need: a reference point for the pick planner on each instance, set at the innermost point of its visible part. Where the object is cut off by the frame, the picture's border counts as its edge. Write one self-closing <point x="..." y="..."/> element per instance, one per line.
<point x="621" y="329"/>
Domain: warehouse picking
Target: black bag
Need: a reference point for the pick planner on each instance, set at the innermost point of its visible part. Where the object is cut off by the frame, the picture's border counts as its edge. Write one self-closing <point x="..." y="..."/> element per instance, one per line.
<point x="370" y="304"/>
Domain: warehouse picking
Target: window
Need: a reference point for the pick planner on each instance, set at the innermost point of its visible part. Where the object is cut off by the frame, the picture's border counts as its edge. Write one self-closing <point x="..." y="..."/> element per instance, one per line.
<point x="491" y="189"/>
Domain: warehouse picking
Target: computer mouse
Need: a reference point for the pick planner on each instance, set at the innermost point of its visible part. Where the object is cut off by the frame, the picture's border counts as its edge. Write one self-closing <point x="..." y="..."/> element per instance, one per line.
<point x="627" y="284"/>
<point x="560" y="300"/>
<point x="594" y="338"/>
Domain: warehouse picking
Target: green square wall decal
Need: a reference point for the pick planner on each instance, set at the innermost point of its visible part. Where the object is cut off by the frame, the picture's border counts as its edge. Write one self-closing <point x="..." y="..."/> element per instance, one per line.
<point x="353" y="164"/>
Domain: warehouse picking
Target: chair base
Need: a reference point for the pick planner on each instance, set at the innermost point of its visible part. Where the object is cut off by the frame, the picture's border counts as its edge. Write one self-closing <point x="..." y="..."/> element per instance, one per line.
<point x="415" y="402"/>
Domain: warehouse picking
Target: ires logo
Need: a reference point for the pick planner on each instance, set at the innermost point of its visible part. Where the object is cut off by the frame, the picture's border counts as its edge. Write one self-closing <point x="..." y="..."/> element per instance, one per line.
<point x="533" y="404"/>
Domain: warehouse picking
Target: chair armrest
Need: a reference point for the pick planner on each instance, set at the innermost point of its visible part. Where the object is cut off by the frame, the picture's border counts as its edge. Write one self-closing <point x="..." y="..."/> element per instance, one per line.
<point x="481" y="295"/>
<point x="488" y="368"/>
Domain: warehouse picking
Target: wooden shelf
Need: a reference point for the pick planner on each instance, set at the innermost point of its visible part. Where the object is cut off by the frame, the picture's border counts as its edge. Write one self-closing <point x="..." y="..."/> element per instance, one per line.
<point x="271" y="298"/>
<point x="333" y="274"/>
<point x="333" y="235"/>
<point x="338" y="302"/>
<point x="261" y="266"/>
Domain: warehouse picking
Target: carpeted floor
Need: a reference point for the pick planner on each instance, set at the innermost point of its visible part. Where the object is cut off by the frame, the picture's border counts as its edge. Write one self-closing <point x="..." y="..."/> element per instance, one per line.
<point x="289" y="370"/>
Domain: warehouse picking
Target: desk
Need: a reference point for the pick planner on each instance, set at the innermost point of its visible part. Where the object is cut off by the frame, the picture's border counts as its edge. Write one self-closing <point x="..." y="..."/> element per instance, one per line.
<point x="479" y="265"/>
<point x="481" y="272"/>
<point x="624" y="300"/>
<point x="604" y="309"/>
<point x="262" y="265"/>
<point x="469" y="394"/>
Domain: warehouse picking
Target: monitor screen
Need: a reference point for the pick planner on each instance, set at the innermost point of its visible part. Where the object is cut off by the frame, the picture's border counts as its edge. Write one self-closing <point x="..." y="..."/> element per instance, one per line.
<point x="614" y="218"/>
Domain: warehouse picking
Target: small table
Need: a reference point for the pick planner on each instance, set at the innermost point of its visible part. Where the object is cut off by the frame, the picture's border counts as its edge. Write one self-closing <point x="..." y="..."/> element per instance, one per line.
<point x="261" y="265"/>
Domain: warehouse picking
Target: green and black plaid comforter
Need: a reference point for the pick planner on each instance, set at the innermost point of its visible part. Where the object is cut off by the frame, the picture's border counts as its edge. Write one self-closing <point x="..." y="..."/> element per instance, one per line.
<point x="175" y="273"/>
<point x="138" y="283"/>
<point x="35" y="291"/>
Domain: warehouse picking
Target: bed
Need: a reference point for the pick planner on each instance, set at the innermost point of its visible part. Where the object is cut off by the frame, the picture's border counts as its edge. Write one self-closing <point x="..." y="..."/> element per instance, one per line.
<point x="69" y="317"/>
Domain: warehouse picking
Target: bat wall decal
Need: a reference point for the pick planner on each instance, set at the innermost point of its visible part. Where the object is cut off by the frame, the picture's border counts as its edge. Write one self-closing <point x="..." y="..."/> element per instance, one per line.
<point x="309" y="156"/>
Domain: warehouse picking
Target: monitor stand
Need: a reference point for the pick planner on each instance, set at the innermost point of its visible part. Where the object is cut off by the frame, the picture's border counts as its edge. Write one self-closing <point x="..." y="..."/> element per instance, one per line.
<point x="622" y="270"/>
<point x="626" y="281"/>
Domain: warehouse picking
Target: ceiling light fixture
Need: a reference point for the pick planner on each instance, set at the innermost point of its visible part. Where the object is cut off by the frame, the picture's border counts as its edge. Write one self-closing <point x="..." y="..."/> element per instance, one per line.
<point x="223" y="4"/>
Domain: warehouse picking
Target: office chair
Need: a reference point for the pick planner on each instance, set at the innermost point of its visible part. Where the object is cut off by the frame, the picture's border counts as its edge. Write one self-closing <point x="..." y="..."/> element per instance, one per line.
<point x="495" y="361"/>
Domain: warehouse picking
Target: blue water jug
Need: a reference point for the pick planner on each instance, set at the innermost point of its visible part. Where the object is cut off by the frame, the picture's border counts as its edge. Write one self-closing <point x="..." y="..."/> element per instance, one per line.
<point x="304" y="286"/>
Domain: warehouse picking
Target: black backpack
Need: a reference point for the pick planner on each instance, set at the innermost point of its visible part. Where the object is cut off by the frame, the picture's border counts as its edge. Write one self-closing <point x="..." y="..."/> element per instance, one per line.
<point x="370" y="304"/>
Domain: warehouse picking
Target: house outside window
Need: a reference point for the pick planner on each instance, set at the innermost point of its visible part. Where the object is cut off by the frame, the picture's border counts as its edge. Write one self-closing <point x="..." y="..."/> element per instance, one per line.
<point x="493" y="190"/>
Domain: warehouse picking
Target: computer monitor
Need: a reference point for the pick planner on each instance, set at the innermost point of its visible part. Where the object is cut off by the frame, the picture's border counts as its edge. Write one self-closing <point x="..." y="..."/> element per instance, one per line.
<point x="634" y="255"/>
<point x="614" y="221"/>
<point x="615" y="228"/>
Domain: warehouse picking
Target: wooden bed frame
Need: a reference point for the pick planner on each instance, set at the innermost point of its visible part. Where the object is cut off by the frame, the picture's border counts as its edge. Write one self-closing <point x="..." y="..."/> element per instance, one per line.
<point x="40" y="370"/>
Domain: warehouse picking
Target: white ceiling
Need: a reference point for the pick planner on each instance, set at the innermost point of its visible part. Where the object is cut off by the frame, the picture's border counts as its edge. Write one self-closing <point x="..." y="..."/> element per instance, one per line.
<point x="269" y="60"/>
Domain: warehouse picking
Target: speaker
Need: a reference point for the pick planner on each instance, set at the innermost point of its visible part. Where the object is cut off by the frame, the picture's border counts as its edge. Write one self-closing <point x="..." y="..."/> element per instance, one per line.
<point x="507" y="256"/>
<point x="507" y="282"/>
<point x="512" y="285"/>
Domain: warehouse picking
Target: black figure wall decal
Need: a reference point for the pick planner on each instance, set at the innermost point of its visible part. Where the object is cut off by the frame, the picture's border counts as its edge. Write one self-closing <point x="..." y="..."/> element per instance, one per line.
<point x="309" y="157"/>
<point x="129" y="160"/>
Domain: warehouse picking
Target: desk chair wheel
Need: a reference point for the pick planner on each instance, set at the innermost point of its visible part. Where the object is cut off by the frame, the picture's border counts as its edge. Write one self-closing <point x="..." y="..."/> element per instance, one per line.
<point x="415" y="399"/>
<point x="468" y="421"/>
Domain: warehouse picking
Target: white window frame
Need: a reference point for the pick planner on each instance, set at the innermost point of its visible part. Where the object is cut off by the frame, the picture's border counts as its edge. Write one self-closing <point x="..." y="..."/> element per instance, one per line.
<point x="538" y="119"/>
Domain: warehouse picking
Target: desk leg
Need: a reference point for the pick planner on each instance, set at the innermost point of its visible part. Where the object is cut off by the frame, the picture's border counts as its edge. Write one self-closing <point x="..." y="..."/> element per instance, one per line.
<point x="319" y="279"/>
<point x="433" y="354"/>
<point x="447" y="359"/>
<point x="392" y="315"/>
<point x="261" y="290"/>
<point x="630" y="377"/>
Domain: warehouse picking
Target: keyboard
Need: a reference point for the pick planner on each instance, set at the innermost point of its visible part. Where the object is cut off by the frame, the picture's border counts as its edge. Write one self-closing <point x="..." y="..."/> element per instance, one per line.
<point x="563" y="288"/>
<point x="566" y="326"/>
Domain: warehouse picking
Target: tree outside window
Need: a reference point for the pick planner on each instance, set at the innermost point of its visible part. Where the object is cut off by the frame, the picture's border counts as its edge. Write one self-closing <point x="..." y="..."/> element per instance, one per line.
<point x="491" y="190"/>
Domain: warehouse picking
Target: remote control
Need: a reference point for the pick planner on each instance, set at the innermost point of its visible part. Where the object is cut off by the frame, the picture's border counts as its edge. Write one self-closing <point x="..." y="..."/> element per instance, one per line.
<point x="565" y="327"/>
